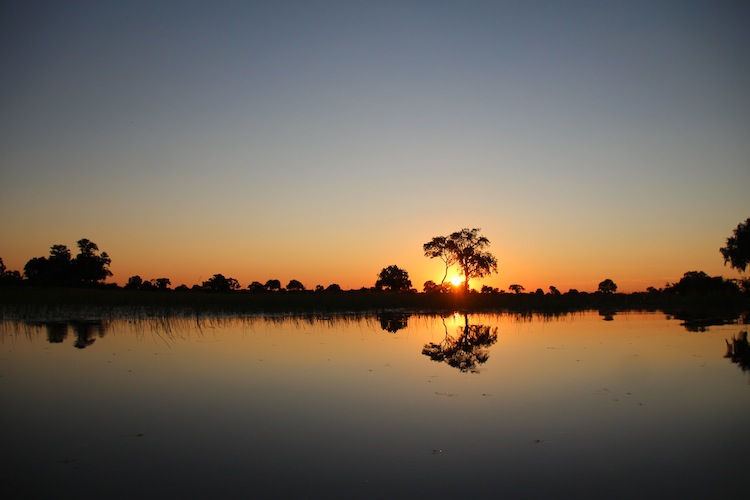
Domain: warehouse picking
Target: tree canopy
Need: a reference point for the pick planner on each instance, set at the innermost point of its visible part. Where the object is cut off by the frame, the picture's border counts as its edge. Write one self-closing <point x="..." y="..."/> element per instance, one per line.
<point x="737" y="250"/>
<point x="465" y="249"/>
<point x="393" y="278"/>
<point x="60" y="269"/>
<point x="607" y="286"/>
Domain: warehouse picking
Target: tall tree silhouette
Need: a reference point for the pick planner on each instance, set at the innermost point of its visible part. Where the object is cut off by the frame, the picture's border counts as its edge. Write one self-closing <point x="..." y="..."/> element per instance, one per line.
<point x="737" y="250"/>
<point x="466" y="249"/>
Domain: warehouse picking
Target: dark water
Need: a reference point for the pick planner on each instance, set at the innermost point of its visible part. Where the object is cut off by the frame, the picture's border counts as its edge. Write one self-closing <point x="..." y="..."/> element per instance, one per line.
<point x="392" y="407"/>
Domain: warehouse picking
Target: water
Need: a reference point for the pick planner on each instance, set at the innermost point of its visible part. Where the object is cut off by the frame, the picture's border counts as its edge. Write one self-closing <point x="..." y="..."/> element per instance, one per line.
<point x="504" y="407"/>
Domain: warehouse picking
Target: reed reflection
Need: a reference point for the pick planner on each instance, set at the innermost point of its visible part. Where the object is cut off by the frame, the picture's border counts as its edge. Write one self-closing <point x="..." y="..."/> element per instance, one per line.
<point x="466" y="350"/>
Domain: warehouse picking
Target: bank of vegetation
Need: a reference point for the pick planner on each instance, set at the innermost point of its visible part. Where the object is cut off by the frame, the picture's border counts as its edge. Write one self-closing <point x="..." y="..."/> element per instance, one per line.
<point x="63" y="286"/>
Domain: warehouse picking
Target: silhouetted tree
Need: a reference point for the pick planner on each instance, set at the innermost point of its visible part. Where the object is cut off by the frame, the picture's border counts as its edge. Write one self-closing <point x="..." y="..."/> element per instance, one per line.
<point x="700" y="283"/>
<point x="607" y="286"/>
<point x="334" y="288"/>
<point x="295" y="286"/>
<point x="218" y="283"/>
<point x="737" y="250"/>
<point x="554" y="291"/>
<point x="59" y="269"/>
<point x="432" y="287"/>
<point x="8" y="277"/>
<point x="88" y="266"/>
<point x="439" y="247"/>
<point x="256" y="287"/>
<point x="273" y="285"/>
<point x="464" y="248"/>
<point x="163" y="283"/>
<point x="393" y="278"/>
<point x="516" y="288"/>
<point x="134" y="283"/>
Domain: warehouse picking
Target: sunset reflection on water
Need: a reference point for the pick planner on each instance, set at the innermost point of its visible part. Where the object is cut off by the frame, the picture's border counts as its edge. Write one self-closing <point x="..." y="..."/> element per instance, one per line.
<point x="566" y="406"/>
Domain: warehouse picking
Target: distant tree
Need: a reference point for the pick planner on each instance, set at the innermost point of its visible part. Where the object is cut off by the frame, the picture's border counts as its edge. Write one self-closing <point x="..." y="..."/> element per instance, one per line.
<point x="320" y="288"/>
<point x="8" y="277"/>
<point x="607" y="286"/>
<point x="273" y="285"/>
<point x="88" y="266"/>
<point x="218" y="283"/>
<point x="393" y="278"/>
<point x="554" y="291"/>
<point x="432" y="287"/>
<point x="466" y="249"/>
<point x="516" y="288"/>
<point x="488" y="289"/>
<point x="295" y="286"/>
<point x="737" y="250"/>
<point x="333" y="287"/>
<point x="163" y="283"/>
<point x="256" y="286"/>
<point x="134" y="283"/>
<point x="181" y="288"/>
<point x="700" y="283"/>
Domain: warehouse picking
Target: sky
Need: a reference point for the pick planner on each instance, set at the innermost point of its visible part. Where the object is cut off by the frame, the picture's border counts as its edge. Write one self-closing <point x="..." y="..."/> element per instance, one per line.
<point x="325" y="140"/>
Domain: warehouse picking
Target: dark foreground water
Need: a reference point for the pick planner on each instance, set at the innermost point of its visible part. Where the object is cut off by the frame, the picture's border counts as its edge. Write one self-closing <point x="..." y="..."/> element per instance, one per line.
<point x="395" y="407"/>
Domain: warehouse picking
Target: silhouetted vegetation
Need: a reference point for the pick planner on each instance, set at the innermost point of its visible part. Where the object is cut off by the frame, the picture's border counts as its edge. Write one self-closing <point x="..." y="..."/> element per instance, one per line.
<point x="737" y="250"/>
<point x="607" y="286"/>
<point x="218" y="283"/>
<point x="393" y="278"/>
<point x="8" y="277"/>
<point x="63" y="286"/>
<point x="88" y="268"/>
<point x="465" y="249"/>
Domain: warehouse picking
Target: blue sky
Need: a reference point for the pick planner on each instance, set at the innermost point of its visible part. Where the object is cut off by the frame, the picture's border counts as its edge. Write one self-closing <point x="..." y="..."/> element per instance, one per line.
<point x="323" y="141"/>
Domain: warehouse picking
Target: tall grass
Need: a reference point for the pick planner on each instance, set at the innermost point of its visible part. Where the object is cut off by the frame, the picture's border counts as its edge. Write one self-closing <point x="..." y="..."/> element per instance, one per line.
<point x="102" y="303"/>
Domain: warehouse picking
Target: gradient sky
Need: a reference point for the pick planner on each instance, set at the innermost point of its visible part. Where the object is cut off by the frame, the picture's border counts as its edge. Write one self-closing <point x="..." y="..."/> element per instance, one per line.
<point x="324" y="140"/>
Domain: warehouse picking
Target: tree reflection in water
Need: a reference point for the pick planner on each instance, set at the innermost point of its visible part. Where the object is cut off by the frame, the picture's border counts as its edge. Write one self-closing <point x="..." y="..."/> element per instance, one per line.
<point x="738" y="351"/>
<point x="465" y="351"/>
<point x="85" y="332"/>
<point x="393" y="321"/>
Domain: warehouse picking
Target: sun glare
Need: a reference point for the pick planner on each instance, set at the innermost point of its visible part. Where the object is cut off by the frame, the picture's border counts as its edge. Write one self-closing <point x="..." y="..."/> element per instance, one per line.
<point x="457" y="280"/>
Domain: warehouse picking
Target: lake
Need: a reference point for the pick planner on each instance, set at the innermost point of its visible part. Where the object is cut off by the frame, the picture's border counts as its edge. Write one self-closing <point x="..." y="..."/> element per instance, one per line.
<point x="631" y="405"/>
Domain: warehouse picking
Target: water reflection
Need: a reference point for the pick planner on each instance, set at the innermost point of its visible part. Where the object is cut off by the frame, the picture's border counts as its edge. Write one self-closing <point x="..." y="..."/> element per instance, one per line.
<point x="738" y="351"/>
<point x="467" y="350"/>
<point x="607" y="314"/>
<point x="85" y="331"/>
<point x="393" y="321"/>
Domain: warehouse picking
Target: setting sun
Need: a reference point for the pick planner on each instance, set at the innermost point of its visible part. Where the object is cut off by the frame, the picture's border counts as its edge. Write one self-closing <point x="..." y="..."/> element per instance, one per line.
<point x="457" y="280"/>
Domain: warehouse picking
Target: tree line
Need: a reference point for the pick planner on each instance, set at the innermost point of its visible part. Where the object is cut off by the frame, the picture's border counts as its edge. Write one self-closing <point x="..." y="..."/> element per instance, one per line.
<point x="465" y="249"/>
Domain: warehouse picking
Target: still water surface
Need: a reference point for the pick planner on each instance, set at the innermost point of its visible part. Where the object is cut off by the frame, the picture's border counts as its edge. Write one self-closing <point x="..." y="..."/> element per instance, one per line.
<point x="484" y="406"/>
